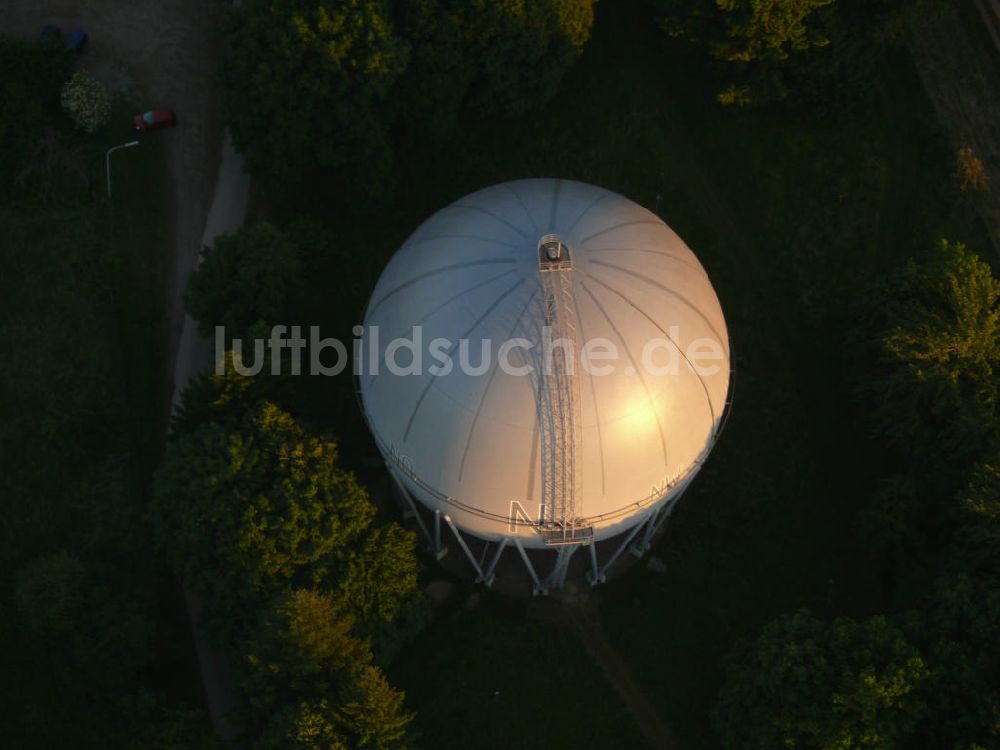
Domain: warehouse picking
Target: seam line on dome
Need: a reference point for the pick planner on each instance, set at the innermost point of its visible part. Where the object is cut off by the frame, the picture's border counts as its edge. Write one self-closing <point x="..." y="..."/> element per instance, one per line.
<point x="451" y="349"/>
<point x="632" y="223"/>
<point x="523" y="206"/>
<point x="645" y="387"/>
<point x="489" y="240"/>
<point x="491" y="214"/>
<point x="532" y="463"/>
<point x="422" y="320"/>
<point x="650" y="251"/>
<point x="704" y="387"/>
<point x="593" y="395"/>
<point x="681" y="297"/>
<point x="588" y="209"/>
<point x="482" y="399"/>
<point x="427" y="274"/>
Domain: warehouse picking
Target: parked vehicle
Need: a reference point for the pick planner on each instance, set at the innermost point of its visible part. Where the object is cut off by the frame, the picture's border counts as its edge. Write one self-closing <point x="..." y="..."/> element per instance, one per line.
<point x="77" y="40"/>
<point x="155" y="120"/>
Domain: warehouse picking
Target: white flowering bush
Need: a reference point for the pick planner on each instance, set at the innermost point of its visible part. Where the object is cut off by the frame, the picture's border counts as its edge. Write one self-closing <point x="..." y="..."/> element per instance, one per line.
<point x="86" y="101"/>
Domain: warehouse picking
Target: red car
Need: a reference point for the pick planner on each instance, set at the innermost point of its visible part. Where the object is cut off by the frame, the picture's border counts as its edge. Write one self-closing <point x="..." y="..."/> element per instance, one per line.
<point x="155" y="120"/>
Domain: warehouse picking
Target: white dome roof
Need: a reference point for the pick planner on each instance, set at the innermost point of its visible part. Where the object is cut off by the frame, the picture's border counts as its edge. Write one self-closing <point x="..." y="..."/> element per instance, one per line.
<point x="469" y="444"/>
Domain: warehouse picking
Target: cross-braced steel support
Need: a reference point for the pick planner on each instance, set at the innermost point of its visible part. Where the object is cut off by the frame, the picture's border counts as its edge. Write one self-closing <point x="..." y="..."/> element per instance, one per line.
<point x="650" y="525"/>
<point x="496" y="558"/>
<point x="557" y="577"/>
<point x="595" y="575"/>
<point x="439" y="550"/>
<point x="412" y="508"/>
<point x="603" y="573"/>
<point x="480" y="578"/>
<point x="538" y="588"/>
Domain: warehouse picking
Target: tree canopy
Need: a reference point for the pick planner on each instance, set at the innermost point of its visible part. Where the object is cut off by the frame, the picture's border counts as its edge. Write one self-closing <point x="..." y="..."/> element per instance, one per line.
<point x="808" y="684"/>
<point x="297" y="573"/>
<point x="340" y="77"/>
<point x="246" y="278"/>
<point x="936" y="396"/>
<point x="319" y="99"/>
<point x="821" y="53"/>
<point x="249" y="507"/>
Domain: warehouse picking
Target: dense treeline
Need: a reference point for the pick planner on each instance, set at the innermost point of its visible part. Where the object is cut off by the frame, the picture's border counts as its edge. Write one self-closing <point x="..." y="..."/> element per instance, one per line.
<point x="819" y="53"/>
<point x="925" y="358"/>
<point x="341" y="79"/>
<point x="308" y="591"/>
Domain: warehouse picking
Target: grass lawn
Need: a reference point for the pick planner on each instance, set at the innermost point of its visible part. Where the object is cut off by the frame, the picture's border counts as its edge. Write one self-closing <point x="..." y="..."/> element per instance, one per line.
<point x="83" y="391"/>
<point x="492" y="677"/>
<point x="82" y="371"/>
<point x="790" y="214"/>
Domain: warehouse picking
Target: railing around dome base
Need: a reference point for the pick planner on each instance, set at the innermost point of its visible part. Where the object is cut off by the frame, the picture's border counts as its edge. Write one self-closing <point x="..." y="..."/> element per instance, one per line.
<point x="561" y="543"/>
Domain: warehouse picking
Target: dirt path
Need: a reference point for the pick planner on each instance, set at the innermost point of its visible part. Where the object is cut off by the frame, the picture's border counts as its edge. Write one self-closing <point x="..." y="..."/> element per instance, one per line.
<point x="581" y="614"/>
<point x="960" y="70"/>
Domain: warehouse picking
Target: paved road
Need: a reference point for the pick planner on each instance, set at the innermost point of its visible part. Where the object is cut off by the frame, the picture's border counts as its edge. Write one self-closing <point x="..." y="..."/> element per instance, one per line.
<point x="229" y="206"/>
<point x="194" y="354"/>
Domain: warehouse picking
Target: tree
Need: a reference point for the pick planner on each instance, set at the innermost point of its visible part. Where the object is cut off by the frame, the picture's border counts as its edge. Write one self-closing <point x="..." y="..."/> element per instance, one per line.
<point x="370" y="717"/>
<point x="522" y="49"/>
<point x="807" y="684"/>
<point x="979" y="521"/>
<point x="971" y="172"/>
<point x="377" y="575"/>
<point x="341" y="76"/>
<point x="936" y="396"/>
<point x="372" y="712"/>
<point x="248" y="508"/>
<point x="962" y="632"/>
<point x="248" y="277"/>
<point x="86" y="101"/>
<point x="319" y="101"/>
<point x="754" y="36"/>
<point x="307" y="725"/>
<point x="304" y="646"/>
<point x="757" y="30"/>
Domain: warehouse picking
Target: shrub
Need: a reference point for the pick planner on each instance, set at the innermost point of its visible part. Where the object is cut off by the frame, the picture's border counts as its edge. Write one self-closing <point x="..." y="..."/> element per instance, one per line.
<point x="86" y="101"/>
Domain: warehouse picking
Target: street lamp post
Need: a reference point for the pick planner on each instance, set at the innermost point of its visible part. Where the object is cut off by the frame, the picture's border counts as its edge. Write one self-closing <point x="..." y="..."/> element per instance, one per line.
<point x="107" y="159"/>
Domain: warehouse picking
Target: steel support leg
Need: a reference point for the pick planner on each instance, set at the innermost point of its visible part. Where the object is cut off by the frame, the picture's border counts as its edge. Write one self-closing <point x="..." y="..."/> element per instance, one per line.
<point x="594" y="575"/>
<point x="412" y="507"/>
<point x="538" y="588"/>
<point x="465" y="549"/>
<point x="439" y="551"/>
<point x="667" y="510"/>
<point x="641" y="547"/>
<point x="621" y="548"/>
<point x="557" y="577"/>
<point x="493" y="563"/>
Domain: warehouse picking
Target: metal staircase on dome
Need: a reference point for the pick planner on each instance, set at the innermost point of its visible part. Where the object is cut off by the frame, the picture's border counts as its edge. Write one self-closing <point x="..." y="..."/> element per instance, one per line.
<point x="558" y="394"/>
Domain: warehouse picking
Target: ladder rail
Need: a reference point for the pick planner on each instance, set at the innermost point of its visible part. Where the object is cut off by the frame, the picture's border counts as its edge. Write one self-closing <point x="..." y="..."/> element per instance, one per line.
<point x="559" y="398"/>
